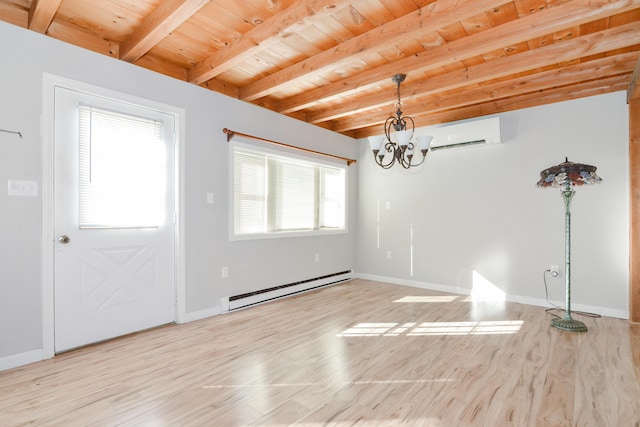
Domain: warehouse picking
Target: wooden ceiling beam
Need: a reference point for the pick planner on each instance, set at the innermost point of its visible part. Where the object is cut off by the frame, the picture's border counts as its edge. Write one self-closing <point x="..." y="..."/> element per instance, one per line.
<point x="567" y="50"/>
<point x="152" y="62"/>
<point x="617" y="65"/>
<point x="581" y="90"/>
<point x="13" y="15"/>
<point x="222" y="87"/>
<point x="567" y="76"/>
<point x="436" y="15"/>
<point x="41" y="14"/>
<point x="168" y="16"/>
<point x="634" y="87"/>
<point x="524" y="29"/>
<point x="260" y="37"/>
<point x="485" y="55"/>
<point x="72" y="34"/>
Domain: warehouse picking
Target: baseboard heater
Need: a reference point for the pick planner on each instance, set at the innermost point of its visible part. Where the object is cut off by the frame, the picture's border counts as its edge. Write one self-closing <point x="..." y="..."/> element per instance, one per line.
<point x="236" y="302"/>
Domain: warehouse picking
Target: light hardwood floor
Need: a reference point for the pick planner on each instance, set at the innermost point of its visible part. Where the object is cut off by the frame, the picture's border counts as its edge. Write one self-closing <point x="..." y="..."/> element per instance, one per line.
<point x="361" y="353"/>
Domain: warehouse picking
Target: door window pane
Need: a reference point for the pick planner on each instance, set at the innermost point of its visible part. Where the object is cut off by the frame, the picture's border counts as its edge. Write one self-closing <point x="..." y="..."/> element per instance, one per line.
<point x="122" y="170"/>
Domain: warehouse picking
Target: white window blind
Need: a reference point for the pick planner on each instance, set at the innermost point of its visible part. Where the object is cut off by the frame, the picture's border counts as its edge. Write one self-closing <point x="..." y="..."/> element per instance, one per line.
<point x="294" y="189"/>
<point x="249" y="189"/>
<point x="122" y="170"/>
<point x="277" y="194"/>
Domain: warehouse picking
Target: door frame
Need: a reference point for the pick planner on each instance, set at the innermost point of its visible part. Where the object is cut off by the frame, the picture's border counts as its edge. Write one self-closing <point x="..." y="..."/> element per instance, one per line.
<point x="50" y="82"/>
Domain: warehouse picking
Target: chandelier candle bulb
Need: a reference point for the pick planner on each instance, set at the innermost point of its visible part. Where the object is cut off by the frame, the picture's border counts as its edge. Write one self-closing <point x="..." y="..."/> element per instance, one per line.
<point x="375" y="142"/>
<point x="403" y="137"/>
<point x="425" y="142"/>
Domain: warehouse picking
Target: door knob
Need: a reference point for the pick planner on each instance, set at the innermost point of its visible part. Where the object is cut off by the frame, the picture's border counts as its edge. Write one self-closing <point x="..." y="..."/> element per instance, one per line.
<point x="64" y="239"/>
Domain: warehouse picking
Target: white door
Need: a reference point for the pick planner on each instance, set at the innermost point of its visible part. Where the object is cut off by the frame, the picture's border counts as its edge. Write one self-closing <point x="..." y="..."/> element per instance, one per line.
<point x="114" y="209"/>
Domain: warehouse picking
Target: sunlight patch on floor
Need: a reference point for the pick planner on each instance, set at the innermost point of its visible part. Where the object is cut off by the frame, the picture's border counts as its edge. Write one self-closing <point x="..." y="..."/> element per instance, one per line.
<point x="468" y="328"/>
<point x="433" y="328"/>
<point x="428" y="298"/>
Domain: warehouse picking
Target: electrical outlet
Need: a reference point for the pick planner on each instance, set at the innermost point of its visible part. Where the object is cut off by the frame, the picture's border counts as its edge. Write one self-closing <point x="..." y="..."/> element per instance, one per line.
<point x="225" y="272"/>
<point x="388" y="254"/>
<point x="554" y="270"/>
<point x="317" y="258"/>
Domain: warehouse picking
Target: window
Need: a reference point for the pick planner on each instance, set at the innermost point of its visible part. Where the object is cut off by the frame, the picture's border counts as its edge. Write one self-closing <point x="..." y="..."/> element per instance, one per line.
<point x="275" y="194"/>
<point x="122" y="170"/>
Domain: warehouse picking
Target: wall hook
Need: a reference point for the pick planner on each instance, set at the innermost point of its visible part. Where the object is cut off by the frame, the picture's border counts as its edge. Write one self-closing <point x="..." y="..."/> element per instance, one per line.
<point x="12" y="131"/>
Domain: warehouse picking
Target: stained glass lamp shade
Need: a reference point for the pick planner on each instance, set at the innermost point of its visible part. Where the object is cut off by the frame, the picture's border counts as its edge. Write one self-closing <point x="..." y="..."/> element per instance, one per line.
<point x="567" y="175"/>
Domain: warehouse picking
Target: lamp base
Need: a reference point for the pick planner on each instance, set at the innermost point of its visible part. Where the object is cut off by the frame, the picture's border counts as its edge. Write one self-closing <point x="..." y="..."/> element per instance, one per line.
<point x="569" y="324"/>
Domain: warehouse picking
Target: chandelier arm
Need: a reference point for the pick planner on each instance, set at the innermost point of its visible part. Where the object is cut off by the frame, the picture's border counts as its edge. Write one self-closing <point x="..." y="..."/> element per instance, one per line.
<point x="408" y="161"/>
<point x="389" y="147"/>
<point x="413" y="125"/>
<point x="403" y="157"/>
<point x="391" y="121"/>
<point x="385" y="165"/>
<point x="424" y="156"/>
<point x="388" y="166"/>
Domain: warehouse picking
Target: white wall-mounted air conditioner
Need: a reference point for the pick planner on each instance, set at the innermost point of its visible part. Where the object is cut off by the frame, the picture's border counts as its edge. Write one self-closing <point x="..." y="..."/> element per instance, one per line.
<point x="472" y="133"/>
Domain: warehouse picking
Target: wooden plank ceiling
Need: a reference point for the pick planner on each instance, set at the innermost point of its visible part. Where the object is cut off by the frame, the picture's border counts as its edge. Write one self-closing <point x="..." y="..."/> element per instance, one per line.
<point x="330" y="62"/>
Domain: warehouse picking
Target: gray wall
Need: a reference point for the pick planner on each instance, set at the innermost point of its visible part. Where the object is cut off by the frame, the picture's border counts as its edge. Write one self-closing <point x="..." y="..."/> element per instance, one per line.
<point x="477" y="210"/>
<point x="252" y="264"/>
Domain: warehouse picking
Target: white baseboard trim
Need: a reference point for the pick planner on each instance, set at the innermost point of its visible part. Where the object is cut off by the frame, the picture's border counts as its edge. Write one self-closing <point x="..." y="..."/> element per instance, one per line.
<point x="415" y="284"/>
<point x="21" y="359"/>
<point x="16" y="360"/>
<point x="602" y="311"/>
<point x="202" y="314"/>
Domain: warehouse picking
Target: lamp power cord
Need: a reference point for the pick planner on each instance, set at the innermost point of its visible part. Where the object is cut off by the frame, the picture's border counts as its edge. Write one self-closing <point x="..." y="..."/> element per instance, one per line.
<point x="555" y="307"/>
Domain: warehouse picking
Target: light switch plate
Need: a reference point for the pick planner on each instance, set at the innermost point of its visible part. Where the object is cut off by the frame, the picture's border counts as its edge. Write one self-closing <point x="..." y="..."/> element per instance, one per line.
<point x="17" y="187"/>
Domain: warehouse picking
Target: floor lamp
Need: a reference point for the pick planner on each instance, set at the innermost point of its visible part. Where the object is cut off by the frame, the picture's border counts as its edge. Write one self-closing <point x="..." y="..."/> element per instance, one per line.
<point x="565" y="176"/>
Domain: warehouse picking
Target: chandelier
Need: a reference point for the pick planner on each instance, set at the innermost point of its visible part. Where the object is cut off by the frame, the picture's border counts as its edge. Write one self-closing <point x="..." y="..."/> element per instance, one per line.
<point x="403" y="150"/>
